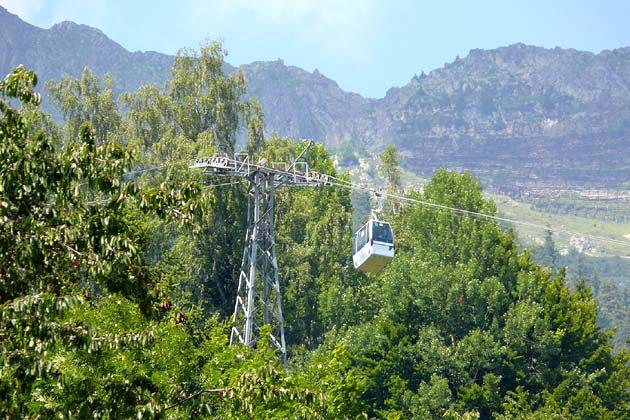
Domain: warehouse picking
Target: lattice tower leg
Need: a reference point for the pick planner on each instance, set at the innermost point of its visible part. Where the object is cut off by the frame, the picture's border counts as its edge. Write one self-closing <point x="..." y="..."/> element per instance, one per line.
<point x="256" y="306"/>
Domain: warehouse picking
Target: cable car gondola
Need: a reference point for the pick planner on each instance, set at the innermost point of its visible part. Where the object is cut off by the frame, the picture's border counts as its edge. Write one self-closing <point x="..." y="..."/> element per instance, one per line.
<point x="373" y="246"/>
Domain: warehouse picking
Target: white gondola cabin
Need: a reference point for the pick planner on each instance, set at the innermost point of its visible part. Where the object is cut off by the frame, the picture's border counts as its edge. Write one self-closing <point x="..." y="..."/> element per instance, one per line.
<point x="373" y="246"/>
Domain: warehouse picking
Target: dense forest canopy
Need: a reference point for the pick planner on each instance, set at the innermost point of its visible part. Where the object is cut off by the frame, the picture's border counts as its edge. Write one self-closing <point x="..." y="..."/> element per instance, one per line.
<point x="119" y="267"/>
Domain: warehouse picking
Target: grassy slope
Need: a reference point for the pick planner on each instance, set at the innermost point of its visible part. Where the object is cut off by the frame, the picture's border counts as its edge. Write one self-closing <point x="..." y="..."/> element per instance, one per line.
<point x="565" y="227"/>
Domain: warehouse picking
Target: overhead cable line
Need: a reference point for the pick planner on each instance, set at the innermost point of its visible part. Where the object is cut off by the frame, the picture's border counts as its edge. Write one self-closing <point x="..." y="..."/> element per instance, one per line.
<point x="343" y="183"/>
<point x="338" y="182"/>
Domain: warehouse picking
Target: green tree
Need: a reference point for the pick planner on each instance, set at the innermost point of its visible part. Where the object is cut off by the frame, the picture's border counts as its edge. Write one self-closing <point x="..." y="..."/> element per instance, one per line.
<point x="461" y="304"/>
<point x="390" y="167"/>
<point x="92" y="325"/>
<point x="313" y="234"/>
<point x="148" y="116"/>
<point x="204" y="100"/>
<point x="548" y="255"/>
<point x="56" y="247"/>
<point x="255" y="127"/>
<point x="85" y="100"/>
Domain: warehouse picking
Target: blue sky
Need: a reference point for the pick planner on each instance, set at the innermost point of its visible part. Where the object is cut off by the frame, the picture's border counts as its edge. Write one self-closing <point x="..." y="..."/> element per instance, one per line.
<point x="366" y="46"/>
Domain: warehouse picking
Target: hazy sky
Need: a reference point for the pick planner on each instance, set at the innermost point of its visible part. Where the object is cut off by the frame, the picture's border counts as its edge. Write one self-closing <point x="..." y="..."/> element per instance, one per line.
<point x="367" y="46"/>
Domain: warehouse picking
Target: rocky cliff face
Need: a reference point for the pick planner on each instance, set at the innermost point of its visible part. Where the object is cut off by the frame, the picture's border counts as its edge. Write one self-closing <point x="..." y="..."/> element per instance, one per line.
<point x="517" y="91"/>
<point x="303" y="104"/>
<point x="519" y="112"/>
<point x="516" y="115"/>
<point x="66" y="48"/>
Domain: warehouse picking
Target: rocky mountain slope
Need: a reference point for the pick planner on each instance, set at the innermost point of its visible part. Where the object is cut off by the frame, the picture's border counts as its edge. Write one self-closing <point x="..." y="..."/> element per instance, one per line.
<point x="517" y="116"/>
<point x="303" y="104"/>
<point x="68" y="47"/>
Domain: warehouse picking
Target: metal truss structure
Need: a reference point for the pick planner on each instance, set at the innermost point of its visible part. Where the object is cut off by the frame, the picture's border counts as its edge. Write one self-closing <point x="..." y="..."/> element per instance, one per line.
<point x="258" y="299"/>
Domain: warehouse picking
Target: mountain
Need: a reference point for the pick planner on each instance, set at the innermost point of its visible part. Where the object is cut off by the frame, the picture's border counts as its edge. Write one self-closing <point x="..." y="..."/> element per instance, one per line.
<point x="297" y="103"/>
<point x="517" y="116"/>
<point x="303" y="104"/>
<point x="67" y="48"/>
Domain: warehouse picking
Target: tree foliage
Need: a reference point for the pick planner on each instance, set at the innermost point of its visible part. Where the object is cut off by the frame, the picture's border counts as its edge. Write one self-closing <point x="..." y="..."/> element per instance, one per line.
<point x="463" y="315"/>
<point x="86" y="100"/>
<point x="204" y="100"/>
<point x="96" y="320"/>
<point x="390" y="167"/>
<point x="67" y="234"/>
<point x="118" y="271"/>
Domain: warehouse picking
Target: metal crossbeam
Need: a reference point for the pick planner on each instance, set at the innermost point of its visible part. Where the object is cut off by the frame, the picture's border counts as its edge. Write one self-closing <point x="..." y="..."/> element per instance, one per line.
<point x="258" y="298"/>
<point x="242" y="166"/>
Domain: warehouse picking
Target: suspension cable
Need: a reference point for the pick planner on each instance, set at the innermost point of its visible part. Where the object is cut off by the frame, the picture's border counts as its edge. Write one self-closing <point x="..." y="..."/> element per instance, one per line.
<point x="338" y="182"/>
<point x="341" y="183"/>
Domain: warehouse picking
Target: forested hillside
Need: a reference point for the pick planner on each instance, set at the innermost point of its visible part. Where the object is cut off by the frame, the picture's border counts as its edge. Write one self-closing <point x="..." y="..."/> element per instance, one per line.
<point x="119" y="272"/>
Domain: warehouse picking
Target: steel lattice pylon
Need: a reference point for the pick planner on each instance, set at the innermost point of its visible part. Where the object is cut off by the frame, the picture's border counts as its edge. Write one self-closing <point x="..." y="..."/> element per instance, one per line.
<point x="255" y="307"/>
<point x="258" y="299"/>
